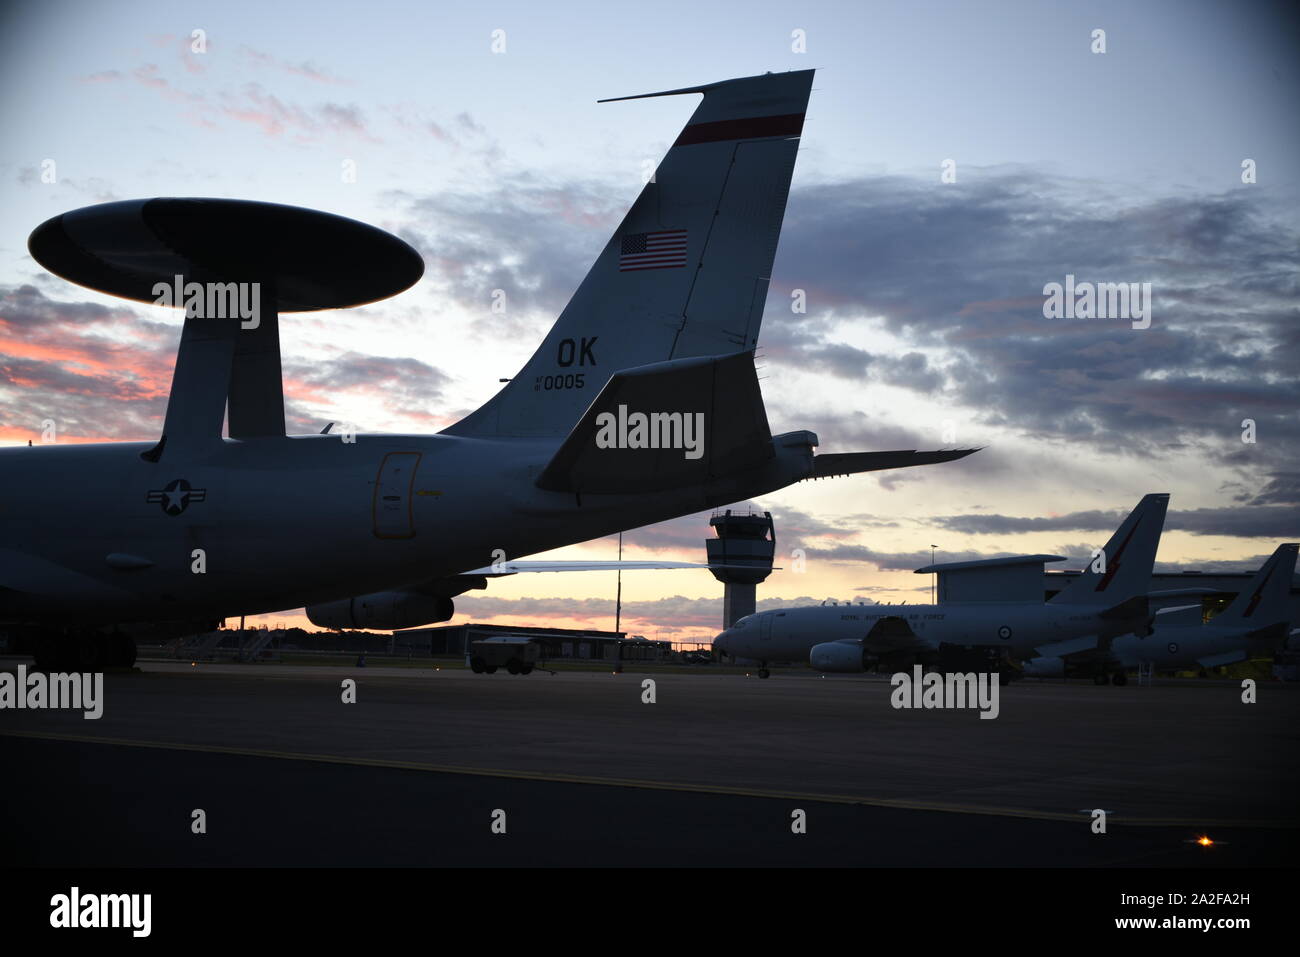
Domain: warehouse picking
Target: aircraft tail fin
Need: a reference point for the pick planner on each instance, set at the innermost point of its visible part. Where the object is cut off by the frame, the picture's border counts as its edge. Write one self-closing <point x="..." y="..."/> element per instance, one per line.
<point x="1265" y="600"/>
<point x="1123" y="568"/>
<point x="686" y="272"/>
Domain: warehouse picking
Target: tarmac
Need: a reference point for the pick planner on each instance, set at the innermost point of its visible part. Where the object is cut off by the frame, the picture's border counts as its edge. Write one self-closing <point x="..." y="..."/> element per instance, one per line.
<point x="450" y="768"/>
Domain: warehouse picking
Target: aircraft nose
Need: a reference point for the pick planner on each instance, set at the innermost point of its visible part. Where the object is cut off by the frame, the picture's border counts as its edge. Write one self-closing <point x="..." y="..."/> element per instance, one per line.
<point x="720" y="642"/>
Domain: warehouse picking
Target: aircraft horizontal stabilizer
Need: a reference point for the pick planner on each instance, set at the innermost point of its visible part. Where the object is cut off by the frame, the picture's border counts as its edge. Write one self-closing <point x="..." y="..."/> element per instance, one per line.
<point x="851" y="463"/>
<point x="666" y="425"/>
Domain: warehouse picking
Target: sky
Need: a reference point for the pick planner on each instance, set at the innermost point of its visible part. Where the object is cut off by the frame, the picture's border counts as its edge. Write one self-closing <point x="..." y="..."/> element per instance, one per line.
<point x="475" y="136"/>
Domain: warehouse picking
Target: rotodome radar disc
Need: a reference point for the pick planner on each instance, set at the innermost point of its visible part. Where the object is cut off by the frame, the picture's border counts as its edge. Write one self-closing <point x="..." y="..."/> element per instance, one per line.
<point x="306" y="259"/>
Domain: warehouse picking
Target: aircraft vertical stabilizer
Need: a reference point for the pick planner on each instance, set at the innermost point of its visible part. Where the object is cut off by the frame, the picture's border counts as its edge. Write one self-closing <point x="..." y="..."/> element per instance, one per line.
<point x="1265" y="600"/>
<point x="1123" y="569"/>
<point x="686" y="272"/>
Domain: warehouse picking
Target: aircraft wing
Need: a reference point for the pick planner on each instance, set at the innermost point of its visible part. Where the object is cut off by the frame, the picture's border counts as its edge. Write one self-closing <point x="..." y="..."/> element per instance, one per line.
<point x="1174" y="609"/>
<point x="892" y="634"/>
<point x="1139" y="606"/>
<point x="515" y="568"/>
<point x="1226" y="658"/>
<point x="1084" y="644"/>
<point x="1270" y="636"/>
<point x="1135" y="607"/>
<point x="1187" y="592"/>
<point x="24" y="574"/>
<point x="1189" y="615"/>
<point x="1078" y="652"/>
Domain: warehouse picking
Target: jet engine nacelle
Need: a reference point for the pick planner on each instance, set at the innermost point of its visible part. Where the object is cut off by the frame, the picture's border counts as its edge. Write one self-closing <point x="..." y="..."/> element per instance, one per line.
<point x="386" y="610"/>
<point x="838" y="656"/>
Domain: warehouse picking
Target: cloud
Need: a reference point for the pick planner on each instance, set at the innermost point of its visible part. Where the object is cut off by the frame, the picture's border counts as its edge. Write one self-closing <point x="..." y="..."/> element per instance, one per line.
<point x="670" y="615"/>
<point x="688" y="533"/>
<point x="1282" y="487"/>
<point x="277" y="117"/>
<point x="304" y="69"/>
<point x="675" y="616"/>
<point x="955" y="278"/>
<point x="97" y="372"/>
<point x="97" y="188"/>
<point x="961" y="272"/>
<point x="458" y="133"/>
<point x="402" y="386"/>
<point x="787" y="343"/>
<point x="896" y="561"/>
<point x="104" y="373"/>
<point x="532" y="240"/>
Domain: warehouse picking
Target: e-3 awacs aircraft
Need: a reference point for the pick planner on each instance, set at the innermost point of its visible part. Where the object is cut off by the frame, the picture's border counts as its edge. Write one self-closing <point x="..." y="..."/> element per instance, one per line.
<point x="991" y="613"/>
<point x="102" y="541"/>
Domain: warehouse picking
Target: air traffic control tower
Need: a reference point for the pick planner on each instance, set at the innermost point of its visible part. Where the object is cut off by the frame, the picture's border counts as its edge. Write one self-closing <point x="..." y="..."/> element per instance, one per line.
<point x="748" y="540"/>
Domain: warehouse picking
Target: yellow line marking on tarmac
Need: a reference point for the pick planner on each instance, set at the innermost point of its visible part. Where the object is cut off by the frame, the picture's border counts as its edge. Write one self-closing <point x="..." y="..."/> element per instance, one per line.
<point x="558" y="778"/>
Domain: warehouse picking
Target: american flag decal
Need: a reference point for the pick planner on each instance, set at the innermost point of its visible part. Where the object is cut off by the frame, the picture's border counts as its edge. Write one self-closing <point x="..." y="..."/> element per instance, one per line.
<point x="661" y="250"/>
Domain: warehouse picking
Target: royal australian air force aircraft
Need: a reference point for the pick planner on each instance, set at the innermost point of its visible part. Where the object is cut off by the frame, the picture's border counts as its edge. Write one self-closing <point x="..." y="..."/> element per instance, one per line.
<point x="1257" y="621"/>
<point x="640" y="405"/>
<point x="990" y="614"/>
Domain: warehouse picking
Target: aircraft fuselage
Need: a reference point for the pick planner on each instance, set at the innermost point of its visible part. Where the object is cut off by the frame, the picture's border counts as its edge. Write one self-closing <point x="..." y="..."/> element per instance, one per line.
<point x="260" y="525"/>
<point x="1015" y="628"/>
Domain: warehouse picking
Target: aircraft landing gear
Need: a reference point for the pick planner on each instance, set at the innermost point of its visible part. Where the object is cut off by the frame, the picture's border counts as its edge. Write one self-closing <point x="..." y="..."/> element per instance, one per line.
<point x="88" y="650"/>
<point x="476" y="665"/>
<point x="92" y="651"/>
<point x="121" y="650"/>
<point x="1118" y="678"/>
<point x="763" y="672"/>
<point x="46" y="653"/>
